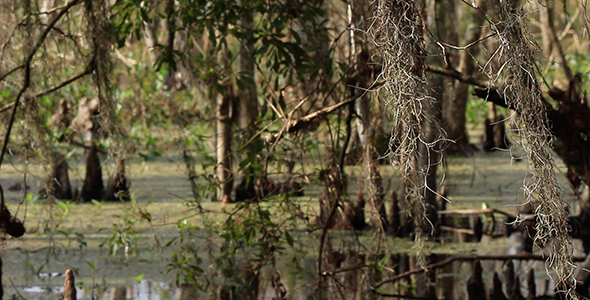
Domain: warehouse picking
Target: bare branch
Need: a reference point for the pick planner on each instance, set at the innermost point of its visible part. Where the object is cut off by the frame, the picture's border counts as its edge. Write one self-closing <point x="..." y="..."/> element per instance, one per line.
<point x="27" y="75"/>
<point x="89" y="69"/>
<point x="457" y="75"/>
<point x="11" y="71"/>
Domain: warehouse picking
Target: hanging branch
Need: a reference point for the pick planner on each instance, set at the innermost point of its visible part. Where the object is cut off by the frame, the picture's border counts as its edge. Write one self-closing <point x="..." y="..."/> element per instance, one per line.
<point x="27" y="75"/>
<point x="89" y="69"/>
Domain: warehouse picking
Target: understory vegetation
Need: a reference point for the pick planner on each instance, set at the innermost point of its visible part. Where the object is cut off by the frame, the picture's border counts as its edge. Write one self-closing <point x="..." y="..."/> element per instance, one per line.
<point x="247" y="143"/>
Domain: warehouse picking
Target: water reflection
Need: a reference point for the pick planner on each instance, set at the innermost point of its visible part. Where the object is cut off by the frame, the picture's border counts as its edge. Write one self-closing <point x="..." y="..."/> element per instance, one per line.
<point x="144" y="290"/>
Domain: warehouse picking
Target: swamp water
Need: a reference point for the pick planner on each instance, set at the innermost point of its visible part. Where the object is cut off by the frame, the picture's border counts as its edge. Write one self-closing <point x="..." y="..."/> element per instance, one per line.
<point x="113" y="250"/>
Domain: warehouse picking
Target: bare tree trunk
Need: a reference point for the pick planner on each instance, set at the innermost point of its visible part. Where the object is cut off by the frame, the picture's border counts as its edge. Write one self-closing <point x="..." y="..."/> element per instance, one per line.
<point x="429" y="157"/>
<point x="359" y="52"/>
<point x="544" y="26"/>
<point x="555" y="42"/>
<point x="248" y="105"/>
<point x="224" y="173"/>
<point x="455" y="103"/>
<point x="151" y="38"/>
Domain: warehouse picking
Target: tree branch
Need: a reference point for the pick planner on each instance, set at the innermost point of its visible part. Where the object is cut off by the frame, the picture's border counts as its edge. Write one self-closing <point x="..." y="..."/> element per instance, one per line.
<point x="457" y="75"/>
<point x="11" y="71"/>
<point x="89" y="69"/>
<point x="27" y="75"/>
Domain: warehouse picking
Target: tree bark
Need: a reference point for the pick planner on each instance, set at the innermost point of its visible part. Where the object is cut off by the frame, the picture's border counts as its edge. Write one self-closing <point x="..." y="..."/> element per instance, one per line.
<point x="429" y="156"/>
<point x="224" y="168"/>
<point x="248" y="104"/>
<point x="359" y="15"/>
<point x="455" y="103"/>
<point x="69" y="286"/>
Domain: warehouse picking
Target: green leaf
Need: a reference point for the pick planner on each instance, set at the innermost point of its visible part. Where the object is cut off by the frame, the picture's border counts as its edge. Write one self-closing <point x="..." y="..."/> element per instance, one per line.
<point x="62" y="205"/>
<point x="138" y="278"/>
<point x="289" y="238"/>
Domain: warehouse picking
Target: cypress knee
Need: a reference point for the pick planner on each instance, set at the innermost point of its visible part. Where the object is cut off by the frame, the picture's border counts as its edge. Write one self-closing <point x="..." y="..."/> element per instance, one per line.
<point x="93" y="187"/>
<point x="117" y="188"/>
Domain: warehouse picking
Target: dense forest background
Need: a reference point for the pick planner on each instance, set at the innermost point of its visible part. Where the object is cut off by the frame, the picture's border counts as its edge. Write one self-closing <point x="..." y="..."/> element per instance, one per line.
<point x="260" y="104"/>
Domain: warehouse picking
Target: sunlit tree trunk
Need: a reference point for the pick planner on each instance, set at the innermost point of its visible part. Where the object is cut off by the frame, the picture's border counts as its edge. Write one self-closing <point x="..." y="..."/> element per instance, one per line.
<point x="151" y="38"/>
<point x="224" y="168"/>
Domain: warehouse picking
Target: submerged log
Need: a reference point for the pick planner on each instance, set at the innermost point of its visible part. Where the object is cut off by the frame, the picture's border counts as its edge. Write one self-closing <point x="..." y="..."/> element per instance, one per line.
<point x="93" y="187"/>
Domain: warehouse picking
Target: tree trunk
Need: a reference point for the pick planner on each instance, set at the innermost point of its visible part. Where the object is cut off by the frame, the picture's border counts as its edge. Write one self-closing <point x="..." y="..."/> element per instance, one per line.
<point x="429" y="157"/>
<point x="224" y="173"/>
<point x="248" y="105"/>
<point x="455" y="103"/>
<point x="359" y="16"/>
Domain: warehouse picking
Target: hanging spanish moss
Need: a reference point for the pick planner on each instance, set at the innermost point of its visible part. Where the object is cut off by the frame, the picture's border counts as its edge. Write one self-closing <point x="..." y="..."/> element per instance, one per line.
<point x="518" y="51"/>
<point x="99" y="35"/>
<point x="398" y="35"/>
